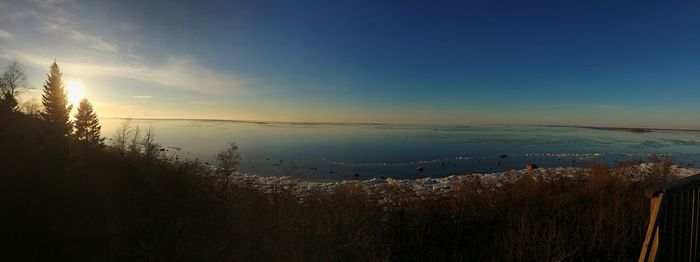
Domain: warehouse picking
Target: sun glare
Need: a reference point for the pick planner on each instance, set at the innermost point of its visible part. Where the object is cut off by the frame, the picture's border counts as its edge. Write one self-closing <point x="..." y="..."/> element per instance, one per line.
<point x="76" y="91"/>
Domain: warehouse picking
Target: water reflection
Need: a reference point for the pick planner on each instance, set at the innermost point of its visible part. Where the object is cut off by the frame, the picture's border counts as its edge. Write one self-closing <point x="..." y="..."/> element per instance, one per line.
<point x="336" y="151"/>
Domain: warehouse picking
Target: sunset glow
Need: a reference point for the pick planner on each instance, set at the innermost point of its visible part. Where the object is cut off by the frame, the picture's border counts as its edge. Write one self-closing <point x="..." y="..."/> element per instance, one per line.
<point x="349" y="130"/>
<point x="76" y="91"/>
<point x="475" y="63"/>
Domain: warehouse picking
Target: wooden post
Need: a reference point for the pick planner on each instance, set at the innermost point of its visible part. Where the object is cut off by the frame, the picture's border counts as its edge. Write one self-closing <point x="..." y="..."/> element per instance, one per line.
<point x="651" y="241"/>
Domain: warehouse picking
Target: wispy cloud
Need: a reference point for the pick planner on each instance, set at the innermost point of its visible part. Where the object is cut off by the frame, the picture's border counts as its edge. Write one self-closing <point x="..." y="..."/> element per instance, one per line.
<point x="177" y="72"/>
<point x="127" y="27"/>
<point x="142" y="97"/>
<point x="22" y="14"/>
<point x="91" y="41"/>
<point x="575" y="106"/>
<point x="53" y="16"/>
<point x="57" y="19"/>
<point x="5" y="35"/>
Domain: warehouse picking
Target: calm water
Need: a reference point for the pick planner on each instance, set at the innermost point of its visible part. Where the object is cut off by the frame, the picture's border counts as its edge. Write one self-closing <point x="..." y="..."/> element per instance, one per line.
<point x="336" y="151"/>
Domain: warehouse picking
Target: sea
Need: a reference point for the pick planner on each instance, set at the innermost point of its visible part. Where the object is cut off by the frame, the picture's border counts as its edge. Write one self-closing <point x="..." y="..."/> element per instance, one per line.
<point x="340" y="151"/>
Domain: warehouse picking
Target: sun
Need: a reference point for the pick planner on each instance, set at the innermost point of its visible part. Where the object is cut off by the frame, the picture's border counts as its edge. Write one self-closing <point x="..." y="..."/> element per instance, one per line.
<point x="76" y="91"/>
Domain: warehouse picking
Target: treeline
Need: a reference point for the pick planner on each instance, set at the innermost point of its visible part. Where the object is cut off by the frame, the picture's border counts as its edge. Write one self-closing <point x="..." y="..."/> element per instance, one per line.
<point x="54" y="111"/>
<point x="64" y="195"/>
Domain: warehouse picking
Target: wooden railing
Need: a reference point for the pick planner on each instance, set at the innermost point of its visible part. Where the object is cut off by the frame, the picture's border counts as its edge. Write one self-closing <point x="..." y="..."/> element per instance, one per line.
<point x="674" y="222"/>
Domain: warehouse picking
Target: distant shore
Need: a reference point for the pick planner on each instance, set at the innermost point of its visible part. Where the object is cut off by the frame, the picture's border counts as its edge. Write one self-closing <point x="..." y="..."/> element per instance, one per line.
<point x="450" y="127"/>
<point x="626" y="129"/>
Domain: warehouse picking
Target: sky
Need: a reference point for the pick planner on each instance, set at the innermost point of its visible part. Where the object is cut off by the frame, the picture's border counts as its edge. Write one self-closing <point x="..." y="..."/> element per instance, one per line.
<point x="602" y="63"/>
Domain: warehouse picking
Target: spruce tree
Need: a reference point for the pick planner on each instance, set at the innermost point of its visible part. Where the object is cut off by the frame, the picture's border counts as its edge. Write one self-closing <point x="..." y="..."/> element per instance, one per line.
<point x="56" y="108"/>
<point x="87" y="126"/>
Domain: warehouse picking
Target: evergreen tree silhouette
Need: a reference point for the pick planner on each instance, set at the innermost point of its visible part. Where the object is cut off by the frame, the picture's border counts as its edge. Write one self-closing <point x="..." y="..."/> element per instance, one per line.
<point x="56" y="108"/>
<point x="87" y="126"/>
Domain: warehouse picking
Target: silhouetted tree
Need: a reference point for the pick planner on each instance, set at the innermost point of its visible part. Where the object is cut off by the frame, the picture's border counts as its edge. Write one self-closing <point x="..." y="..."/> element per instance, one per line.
<point x="135" y="144"/>
<point x="229" y="160"/>
<point x="8" y="102"/>
<point x="87" y="126"/>
<point x="31" y="107"/>
<point x="150" y="147"/>
<point x="121" y="136"/>
<point x="14" y="80"/>
<point x="56" y="108"/>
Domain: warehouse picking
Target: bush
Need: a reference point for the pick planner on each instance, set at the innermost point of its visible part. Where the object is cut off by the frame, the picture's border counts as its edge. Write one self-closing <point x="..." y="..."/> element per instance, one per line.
<point x="76" y="203"/>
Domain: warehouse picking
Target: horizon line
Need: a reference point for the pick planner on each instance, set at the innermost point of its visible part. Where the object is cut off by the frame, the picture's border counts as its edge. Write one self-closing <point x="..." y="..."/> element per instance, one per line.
<point x="262" y="122"/>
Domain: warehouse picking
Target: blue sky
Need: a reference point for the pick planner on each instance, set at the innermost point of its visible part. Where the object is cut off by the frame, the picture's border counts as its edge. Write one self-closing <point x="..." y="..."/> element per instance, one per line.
<point x="608" y="63"/>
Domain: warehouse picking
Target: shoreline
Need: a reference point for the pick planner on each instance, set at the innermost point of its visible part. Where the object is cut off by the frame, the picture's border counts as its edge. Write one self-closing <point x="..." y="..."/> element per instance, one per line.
<point x="424" y="188"/>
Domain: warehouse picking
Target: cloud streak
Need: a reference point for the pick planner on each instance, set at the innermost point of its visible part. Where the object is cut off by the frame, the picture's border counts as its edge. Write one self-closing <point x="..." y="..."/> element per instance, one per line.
<point x="5" y="35"/>
<point x="183" y="73"/>
<point x="91" y="41"/>
<point x="51" y="19"/>
<point x="575" y="106"/>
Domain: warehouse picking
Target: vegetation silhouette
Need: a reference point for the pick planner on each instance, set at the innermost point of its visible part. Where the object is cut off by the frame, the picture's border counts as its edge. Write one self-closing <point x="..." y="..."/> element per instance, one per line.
<point x="56" y="107"/>
<point x="87" y="126"/>
<point x="13" y="82"/>
<point x="61" y="200"/>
